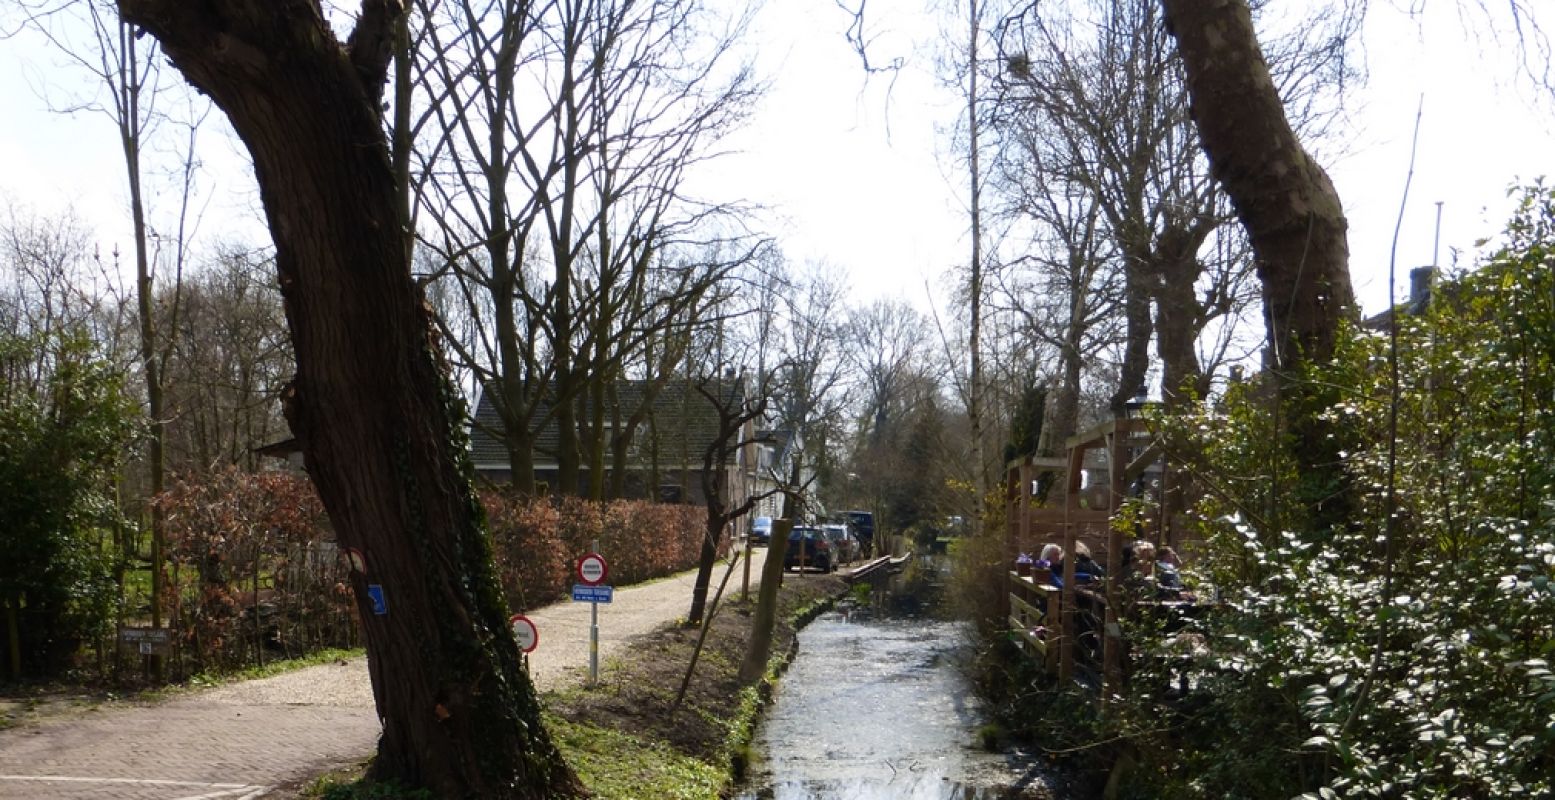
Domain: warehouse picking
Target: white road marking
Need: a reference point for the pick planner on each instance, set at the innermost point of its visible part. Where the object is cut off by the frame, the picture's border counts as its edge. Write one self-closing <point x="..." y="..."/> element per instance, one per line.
<point x="248" y="791"/>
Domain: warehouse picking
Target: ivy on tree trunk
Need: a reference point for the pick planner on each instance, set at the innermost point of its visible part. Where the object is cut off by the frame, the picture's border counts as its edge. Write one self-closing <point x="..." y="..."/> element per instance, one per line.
<point x="378" y="421"/>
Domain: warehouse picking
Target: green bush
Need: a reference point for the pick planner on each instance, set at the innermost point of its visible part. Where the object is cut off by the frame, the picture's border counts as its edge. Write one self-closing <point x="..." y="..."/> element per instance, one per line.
<point x="1382" y="660"/>
<point x="65" y="420"/>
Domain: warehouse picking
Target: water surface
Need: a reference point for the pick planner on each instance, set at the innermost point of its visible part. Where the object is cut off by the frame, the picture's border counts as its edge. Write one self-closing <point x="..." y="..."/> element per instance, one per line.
<point x="878" y="709"/>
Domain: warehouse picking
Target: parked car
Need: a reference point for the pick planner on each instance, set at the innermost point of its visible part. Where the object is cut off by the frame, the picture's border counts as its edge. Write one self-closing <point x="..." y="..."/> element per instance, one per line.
<point x="862" y="524"/>
<point x="808" y="547"/>
<point x="761" y="530"/>
<point x="845" y="548"/>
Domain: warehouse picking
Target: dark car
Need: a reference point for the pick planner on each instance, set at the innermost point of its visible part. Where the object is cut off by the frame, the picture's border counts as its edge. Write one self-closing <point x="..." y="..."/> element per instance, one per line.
<point x="761" y="530"/>
<point x="862" y="525"/>
<point x="808" y="547"/>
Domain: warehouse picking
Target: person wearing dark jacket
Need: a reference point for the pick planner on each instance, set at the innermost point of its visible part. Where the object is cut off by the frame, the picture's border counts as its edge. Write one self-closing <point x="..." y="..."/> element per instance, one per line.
<point x="1085" y="565"/>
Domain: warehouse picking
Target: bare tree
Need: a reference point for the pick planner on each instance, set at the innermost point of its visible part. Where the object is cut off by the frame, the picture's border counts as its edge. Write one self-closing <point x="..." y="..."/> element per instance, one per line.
<point x="1095" y="100"/>
<point x="975" y="11"/>
<point x="1064" y="292"/>
<point x="737" y="406"/>
<point x="883" y="345"/>
<point x="560" y="211"/>
<point x="230" y="360"/>
<point x="45" y="275"/>
<point x="810" y="378"/>
<point x="129" y="90"/>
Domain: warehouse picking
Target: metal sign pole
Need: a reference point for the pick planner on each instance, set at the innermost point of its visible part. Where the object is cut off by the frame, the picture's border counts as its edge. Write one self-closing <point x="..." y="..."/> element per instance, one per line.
<point x="594" y="636"/>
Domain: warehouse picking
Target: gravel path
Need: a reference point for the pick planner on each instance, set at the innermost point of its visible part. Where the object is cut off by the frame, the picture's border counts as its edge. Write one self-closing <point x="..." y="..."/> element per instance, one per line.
<point x="241" y="740"/>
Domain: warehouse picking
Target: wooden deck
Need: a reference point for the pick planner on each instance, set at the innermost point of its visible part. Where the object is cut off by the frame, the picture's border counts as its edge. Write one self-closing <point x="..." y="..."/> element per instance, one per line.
<point x="1074" y="631"/>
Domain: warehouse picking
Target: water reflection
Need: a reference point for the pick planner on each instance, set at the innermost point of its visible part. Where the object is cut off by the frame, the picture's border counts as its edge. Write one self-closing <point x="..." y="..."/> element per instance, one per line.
<point x="878" y="709"/>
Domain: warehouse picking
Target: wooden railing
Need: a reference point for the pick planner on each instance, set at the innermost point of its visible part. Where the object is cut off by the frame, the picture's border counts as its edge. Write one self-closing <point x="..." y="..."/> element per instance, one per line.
<point x="1082" y="639"/>
<point x="1034" y="615"/>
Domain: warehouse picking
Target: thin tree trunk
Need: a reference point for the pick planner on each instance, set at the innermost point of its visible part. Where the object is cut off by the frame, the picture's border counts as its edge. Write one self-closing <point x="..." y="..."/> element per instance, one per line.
<point x="521" y="465"/>
<point x="974" y="395"/>
<point x="597" y="435"/>
<point x="706" y="625"/>
<point x="765" y="619"/>
<point x="712" y="532"/>
<point x="375" y="413"/>
<point x="128" y="84"/>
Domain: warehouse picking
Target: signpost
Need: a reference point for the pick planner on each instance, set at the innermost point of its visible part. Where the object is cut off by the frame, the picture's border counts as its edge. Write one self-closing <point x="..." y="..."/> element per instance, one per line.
<point x="592" y="571"/>
<point x="147" y="641"/>
<point x="525" y="632"/>
<point x="592" y="594"/>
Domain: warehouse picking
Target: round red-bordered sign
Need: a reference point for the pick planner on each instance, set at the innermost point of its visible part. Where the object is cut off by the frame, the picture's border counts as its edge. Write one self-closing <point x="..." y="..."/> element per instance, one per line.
<point x="525" y="632"/>
<point x="592" y="569"/>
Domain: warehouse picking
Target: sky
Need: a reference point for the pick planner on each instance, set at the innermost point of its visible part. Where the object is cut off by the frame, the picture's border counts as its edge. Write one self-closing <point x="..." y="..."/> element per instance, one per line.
<point x="856" y="170"/>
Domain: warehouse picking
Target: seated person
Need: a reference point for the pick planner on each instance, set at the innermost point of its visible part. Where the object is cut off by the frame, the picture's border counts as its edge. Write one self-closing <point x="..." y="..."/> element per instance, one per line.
<point x="1085" y="565"/>
<point x="1145" y="577"/>
<point x="1053" y="558"/>
<point x="1168" y="569"/>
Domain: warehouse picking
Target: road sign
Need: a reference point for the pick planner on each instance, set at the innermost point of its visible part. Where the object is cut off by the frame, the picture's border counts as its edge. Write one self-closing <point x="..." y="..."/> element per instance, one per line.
<point x="592" y="569"/>
<point x="525" y="632"/>
<point x="592" y="594"/>
<point x="375" y="596"/>
<point x="147" y="641"/>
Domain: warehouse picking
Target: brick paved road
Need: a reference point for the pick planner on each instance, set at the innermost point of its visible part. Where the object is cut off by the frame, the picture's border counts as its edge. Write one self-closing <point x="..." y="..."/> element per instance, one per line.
<point x="238" y="742"/>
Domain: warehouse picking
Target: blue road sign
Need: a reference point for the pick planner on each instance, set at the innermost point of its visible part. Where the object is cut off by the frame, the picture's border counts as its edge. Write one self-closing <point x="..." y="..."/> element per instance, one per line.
<point x="375" y="596"/>
<point x="591" y="594"/>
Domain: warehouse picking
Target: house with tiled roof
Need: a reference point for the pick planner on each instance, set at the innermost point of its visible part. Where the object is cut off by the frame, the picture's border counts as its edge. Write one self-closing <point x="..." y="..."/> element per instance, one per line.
<point x="668" y="449"/>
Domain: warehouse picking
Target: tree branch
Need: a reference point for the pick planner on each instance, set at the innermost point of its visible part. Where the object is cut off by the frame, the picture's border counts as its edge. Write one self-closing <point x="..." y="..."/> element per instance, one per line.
<point x="371" y="44"/>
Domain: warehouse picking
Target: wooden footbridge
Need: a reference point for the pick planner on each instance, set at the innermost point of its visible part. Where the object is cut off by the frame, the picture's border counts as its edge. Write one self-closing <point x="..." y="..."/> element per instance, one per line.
<point x="878" y="571"/>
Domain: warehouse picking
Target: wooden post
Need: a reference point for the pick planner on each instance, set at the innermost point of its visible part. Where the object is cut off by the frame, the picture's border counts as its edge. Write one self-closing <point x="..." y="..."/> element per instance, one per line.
<point x="1112" y="632"/>
<point x="1051" y="637"/>
<point x="1026" y="497"/>
<point x="760" y="647"/>
<point x="1112" y="639"/>
<point x="1066" y="598"/>
<point x="1011" y="508"/>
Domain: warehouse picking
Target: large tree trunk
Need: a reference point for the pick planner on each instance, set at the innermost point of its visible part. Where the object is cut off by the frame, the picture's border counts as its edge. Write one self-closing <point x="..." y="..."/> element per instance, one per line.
<point x="1293" y="219"/>
<point x="1136" y="347"/>
<point x="1066" y="401"/>
<point x="378" y="421"/>
<point x="1179" y="314"/>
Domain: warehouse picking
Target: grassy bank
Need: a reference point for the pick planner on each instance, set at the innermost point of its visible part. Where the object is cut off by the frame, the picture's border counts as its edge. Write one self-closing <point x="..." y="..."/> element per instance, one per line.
<point x="622" y="737"/>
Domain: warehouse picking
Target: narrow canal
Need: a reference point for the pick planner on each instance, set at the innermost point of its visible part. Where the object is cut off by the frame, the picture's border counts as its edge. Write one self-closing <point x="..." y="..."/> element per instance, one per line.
<point x="876" y="708"/>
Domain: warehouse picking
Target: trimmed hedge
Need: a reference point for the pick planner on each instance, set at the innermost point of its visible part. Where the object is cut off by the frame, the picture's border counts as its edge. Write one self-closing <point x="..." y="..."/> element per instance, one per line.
<point x="231" y="531"/>
<point x="536" y="542"/>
